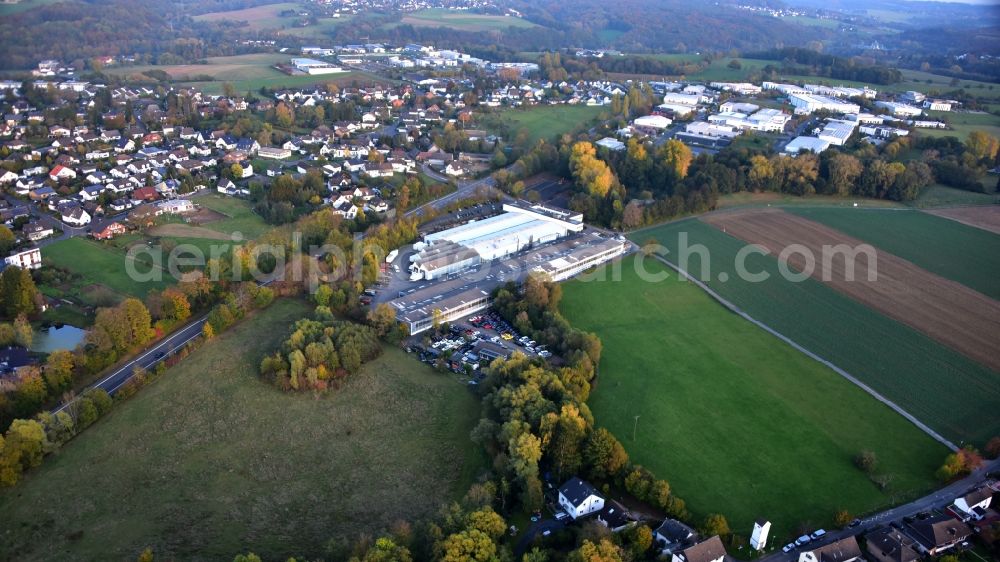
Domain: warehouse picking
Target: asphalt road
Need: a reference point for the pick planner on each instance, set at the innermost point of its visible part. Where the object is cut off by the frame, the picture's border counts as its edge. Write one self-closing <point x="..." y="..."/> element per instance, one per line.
<point x="147" y="359"/>
<point x="465" y="190"/>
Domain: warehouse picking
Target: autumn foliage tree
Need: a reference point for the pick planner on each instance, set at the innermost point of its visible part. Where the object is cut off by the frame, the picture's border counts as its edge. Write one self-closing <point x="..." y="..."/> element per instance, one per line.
<point x="591" y="174"/>
<point x="959" y="463"/>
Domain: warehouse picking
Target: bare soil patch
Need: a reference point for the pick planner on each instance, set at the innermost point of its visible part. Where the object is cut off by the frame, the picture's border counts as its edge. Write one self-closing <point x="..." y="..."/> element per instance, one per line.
<point x="948" y="312"/>
<point x="203" y="215"/>
<point x="986" y="218"/>
<point x="187" y="231"/>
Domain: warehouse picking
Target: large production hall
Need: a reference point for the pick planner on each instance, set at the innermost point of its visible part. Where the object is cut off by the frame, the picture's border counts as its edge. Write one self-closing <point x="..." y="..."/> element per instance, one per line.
<point x="454" y="272"/>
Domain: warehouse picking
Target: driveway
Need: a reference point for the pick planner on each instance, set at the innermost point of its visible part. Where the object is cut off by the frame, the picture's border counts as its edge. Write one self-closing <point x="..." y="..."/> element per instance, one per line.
<point x="536" y="528"/>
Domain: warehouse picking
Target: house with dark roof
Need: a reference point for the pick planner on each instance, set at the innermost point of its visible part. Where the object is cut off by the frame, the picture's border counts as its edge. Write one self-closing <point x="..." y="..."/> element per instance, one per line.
<point x="844" y="550"/>
<point x="890" y="545"/>
<point x="615" y="517"/>
<point x="35" y="231"/>
<point x="13" y="358"/>
<point x="974" y="504"/>
<point x="579" y="498"/>
<point x="708" y="550"/>
<point x="672" y="535"/>
<point x="938" y="533"/>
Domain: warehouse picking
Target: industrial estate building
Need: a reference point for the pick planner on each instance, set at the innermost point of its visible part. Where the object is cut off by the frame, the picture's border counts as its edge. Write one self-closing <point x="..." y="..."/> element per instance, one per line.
<point x="525" y="239"/>
<point x="809" y="103"/>
<point x="520" y="226"/>
<point x="313" y="66"/>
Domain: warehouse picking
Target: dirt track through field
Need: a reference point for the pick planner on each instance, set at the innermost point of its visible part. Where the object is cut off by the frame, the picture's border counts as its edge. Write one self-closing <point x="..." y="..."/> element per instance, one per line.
<point x="187" y="231"/>
<point x="986" y="218"/>
<point x="948" y="312"/>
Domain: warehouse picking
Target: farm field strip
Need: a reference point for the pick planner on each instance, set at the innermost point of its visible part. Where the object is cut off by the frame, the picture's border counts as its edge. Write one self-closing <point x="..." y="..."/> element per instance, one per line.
<point x="696" y="374"/>
<point x="463" y="21"/>
<point x="944" y="310"/>
<point x="954" y="251"/>
<point x="985" y="218"/>
<point x="927" y="379"/>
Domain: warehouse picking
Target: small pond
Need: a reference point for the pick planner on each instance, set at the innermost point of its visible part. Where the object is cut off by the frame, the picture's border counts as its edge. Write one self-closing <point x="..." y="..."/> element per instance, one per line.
<point x="53" y="338"/>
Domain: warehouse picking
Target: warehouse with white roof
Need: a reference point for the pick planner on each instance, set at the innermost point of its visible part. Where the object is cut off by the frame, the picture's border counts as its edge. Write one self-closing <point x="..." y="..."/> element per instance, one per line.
<point x="521" y="226"/>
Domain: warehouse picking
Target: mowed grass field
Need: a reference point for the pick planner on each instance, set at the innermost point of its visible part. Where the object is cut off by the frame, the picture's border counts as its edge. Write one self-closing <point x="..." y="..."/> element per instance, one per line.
<point x="244" y="72"/>
<point x="736" y="420"/>
<point x="238" y="216"/>
<point x="463" y="20"/>
<point x="549" y="121"/>
<point x="101" y="264"/>
<point x="231" y="68"/>
<point x="947" y="248"/>
<point x="210" y="461"/>
<point x="961" y="123"/>
<point x="938" y="195"/>
<point x="949" y="392"/>
<point x="278" y="80"/>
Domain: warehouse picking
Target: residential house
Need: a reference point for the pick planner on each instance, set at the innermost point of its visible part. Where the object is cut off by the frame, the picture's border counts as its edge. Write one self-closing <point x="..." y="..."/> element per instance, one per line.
<point x="378" y="170"/>
<point x="25" y="259"/>
<point x="74" y="215"/>
<point x="8" y="177"/>
<point x="708" y="550"/>
<point x="672" y="535"/>
<point x="345" y="208"/>
<point x="378" y="205"/>
<point x="938" y="533"/>
<point x="890" y="545"/>
<point x="176" y="206"/>
<point x="974" y="504"/>
<point x="60" y="172"/>
<point x="147" y="193"/>
<point x="9" y="214"/>
<point x="121" y="204"/>
<point x="844" y="550"/>
<point x="615" y="517"/>
<point x="579" y="498"/>
<point x="42" y="193"/>
<point x="456" y="169"/>
<point x="110" y="231"/>
<point x="35" y="231"/>
<point x="91" y="192"/>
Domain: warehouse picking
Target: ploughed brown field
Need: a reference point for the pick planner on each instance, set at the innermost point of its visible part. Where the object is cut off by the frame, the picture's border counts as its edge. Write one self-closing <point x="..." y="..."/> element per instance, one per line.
<point x="949" y="312"/>
<point x="986" y="218"/>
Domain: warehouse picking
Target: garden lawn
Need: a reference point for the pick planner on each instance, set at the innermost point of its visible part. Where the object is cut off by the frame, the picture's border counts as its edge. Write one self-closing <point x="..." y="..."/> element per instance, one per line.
<point x="737" y="421"/>
<point x="210" y="461"/>
<point x="945" y="247"/>
<point x="101" y="264"/>
<point x="949" y="392"/>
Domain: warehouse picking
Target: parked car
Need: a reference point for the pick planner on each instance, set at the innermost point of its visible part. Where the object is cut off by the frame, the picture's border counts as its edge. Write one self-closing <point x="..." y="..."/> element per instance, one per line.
<point x="560" y="515"/>
<point x="788" y="548"/>
<point x="855" y="523"/>
<point x="804" y="539"/>
<point x="817" y="534"/>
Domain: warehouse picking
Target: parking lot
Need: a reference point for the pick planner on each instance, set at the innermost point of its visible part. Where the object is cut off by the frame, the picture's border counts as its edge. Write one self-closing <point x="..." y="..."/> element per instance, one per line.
<point x="456" y="349"/>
